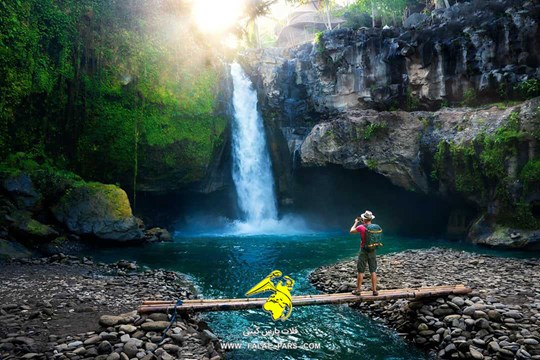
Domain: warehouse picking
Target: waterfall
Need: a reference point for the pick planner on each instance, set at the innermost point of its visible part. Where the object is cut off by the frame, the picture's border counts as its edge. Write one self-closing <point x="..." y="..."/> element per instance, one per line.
<point x="252" y="168"/>
<point x="252" y="175"/>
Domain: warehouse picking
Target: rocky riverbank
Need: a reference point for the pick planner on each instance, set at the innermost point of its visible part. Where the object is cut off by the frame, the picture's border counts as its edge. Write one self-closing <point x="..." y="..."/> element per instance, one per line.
<point x="499" y="320"/>
<point x="64" y="307"/>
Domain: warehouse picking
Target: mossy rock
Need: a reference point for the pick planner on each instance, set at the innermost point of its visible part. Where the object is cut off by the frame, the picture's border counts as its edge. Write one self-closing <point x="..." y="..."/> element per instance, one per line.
<point x="13" y="250"/>
<point x="21" y="189"/>
<point x="99" y="210"/>
<point x="484" y="232"/>
<point x="23" y="226"/>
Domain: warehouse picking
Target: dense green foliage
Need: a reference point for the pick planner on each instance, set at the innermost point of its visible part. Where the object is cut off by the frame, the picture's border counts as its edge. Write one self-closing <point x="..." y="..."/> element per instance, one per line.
<point x="355" y="16"/>
<point x="374" y="129"/>
<point x="50" y="180"/>
<point x="530" y="174"/>
<point x="528" y="89"/>
<point x="96" y="84"/>
<point x="479" y="170"/>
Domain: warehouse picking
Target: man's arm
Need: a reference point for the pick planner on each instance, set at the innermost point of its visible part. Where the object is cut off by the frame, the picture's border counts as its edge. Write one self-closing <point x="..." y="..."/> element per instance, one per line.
<point x="353" y="228"/>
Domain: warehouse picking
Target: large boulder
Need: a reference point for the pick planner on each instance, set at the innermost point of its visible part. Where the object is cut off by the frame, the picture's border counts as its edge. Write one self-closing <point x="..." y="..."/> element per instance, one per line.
<point x="22" y="225"/>
<point x="157" y="235"/>
<point x="21" y="189"/>
<point x="99" y="210"/>
<point x="13" y="250"/>
<point x="487" y="233"/>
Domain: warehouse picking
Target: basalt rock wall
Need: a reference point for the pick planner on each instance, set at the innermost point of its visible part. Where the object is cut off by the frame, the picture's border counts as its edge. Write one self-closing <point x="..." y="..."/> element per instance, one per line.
<point x="416" y="105"/>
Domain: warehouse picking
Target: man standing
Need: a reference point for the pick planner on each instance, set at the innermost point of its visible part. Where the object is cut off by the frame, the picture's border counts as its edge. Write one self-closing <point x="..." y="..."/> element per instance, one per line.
<point x="370" y="234"/>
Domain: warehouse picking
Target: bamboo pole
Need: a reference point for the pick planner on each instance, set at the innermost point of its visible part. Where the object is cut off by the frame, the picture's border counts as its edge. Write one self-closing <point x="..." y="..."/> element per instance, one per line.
<point x="302" y="300"/>
<point x="195" y="301"/>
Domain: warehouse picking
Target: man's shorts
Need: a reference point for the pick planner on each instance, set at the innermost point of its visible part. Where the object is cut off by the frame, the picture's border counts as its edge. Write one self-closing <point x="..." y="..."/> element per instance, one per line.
<point x="369" y="258"/>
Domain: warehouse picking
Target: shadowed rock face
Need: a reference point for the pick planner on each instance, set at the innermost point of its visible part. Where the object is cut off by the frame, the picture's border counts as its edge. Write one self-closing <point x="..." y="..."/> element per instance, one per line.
<point x="403" y="146"/>
<point x="400" y="145"/>
<point x="476" y="48"/>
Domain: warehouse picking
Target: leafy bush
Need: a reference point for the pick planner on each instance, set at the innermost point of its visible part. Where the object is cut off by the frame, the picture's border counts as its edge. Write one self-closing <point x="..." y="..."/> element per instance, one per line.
<point x="528" y="89"/>
<point x="374" y="129"/>
<point x="411" y="102"/>
<point x="469" y="97"/>
<point x="372" y="164"/>
<point x="356" y="17"/>
<point x="530" y="174"/>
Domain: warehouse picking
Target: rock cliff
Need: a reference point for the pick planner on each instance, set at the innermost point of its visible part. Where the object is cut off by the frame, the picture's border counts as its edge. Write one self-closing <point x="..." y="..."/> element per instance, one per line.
<point x="436" y="107"/>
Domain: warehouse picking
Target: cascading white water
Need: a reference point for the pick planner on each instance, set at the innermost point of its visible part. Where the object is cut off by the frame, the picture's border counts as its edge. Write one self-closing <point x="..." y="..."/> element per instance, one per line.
<point x="252" y="175"/>
<point x="252" y="168"/>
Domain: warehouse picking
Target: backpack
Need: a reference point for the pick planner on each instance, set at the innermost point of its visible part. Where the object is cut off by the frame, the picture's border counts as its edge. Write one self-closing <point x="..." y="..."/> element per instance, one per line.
<point x="373" y="237"/>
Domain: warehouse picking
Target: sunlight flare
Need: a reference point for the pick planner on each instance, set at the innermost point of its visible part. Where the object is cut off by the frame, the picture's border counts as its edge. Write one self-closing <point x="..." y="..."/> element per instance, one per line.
<point x="214" y="16"/>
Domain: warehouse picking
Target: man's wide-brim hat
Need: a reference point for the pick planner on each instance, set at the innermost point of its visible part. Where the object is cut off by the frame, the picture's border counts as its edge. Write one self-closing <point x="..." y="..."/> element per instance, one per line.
<point x="368" y="215"/>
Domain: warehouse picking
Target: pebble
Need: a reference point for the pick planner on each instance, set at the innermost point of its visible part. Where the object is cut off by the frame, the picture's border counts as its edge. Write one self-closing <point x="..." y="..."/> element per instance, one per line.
<point x="155" y="325"/>
<point x="475" y="353"/>
<point x="128" y="329"/>
<point x="496" y="321"/>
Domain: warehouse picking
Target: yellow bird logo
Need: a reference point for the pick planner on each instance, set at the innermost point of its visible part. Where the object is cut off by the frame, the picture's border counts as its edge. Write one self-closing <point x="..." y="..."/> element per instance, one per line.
<point x="279" y="304"/>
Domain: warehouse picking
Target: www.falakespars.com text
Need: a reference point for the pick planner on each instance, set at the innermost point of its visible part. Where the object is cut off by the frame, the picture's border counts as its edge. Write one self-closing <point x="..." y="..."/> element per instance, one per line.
<point x="270" y="346"/>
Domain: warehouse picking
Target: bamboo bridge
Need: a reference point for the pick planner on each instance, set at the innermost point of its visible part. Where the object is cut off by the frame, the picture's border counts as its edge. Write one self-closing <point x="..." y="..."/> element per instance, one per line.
<point x="199" y="305"/>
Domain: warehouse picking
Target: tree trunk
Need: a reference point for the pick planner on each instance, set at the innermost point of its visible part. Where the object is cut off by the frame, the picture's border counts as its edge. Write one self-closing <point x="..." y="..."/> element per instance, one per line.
<point x="329" y="24"/>
<point x="373" y="22"/>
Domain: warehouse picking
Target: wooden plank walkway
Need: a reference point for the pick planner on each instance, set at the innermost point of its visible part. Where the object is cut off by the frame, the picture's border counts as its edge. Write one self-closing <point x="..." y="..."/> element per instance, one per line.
<point x="199" y="305"/>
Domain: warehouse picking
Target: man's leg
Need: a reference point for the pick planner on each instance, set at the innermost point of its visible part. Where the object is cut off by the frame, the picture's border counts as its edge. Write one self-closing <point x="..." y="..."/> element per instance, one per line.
<point x="360" y="268"/>
<point x="373" y="271"/>
<point x="359" y="279"/>
<point x="374" y="281"/>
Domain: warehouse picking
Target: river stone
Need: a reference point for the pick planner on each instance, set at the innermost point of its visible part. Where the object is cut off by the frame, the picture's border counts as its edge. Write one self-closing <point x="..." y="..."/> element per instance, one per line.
<point x="130" y="349"/>
<point x="109" y="336"/>
<point x="443" y="312"/>
<point x="80" y="351"/>
<point x="530" y="342"/>
<point x="158" y="317"/>
<point x="93" y="340"/>
<point x="24" y="340"/>
<point x="481" y="323"/>
<point x="506" y="353"/>
<point x="494" y="315"/>
<point x="458" y="301"/>
<point x="469" y="310"/>
<point x="155" y="325"/>
<point x="475" y="353"/>
<point x="109" y="320"/>
<point x="150" y="346"/>
<point x="137" y="342"/>
<point x="128" y="329"/>
<point x="494" y="346"/>
<point x="105" y="347"/>
<point x="514" y="314"/>
<point x="480" y="314"/>
<point x="99" y="210"/>
<point x="30" y="356"/>
<point x="114" y="356"/>
<point x="75" y="344"/>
